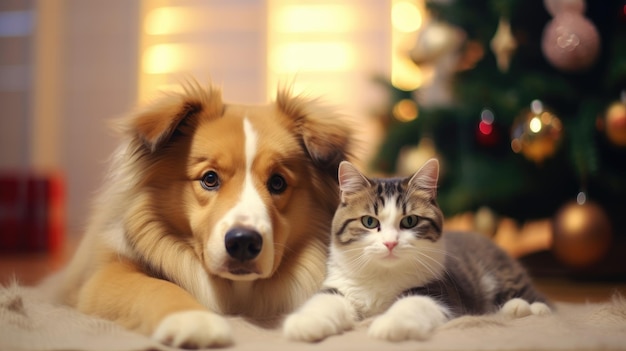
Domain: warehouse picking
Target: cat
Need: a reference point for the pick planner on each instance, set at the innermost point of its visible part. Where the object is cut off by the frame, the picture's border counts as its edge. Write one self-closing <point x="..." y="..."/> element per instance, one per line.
<point x="390" y="260"/>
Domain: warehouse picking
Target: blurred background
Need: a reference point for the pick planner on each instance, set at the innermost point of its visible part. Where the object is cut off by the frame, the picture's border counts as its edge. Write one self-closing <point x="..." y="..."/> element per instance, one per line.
<point x="523" y="102"/>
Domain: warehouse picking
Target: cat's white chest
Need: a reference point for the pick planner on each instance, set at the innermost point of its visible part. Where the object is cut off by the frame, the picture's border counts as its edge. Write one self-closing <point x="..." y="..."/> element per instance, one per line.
<point x="371" y="299"/>
<point x="373" y="294"/>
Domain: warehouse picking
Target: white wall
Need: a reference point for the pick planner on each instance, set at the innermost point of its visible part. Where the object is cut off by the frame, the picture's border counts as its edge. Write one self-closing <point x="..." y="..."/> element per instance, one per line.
<point x="99" y="81"/>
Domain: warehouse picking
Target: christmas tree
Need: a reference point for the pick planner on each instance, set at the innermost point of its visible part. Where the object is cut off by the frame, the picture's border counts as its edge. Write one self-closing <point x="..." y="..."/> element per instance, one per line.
<point x="537" y="115"/>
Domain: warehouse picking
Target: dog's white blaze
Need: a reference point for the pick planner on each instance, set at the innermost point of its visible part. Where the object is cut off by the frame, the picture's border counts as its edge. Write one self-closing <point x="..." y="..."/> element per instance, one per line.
<point x="251" y="140"/>
<point x="250" y="211"/>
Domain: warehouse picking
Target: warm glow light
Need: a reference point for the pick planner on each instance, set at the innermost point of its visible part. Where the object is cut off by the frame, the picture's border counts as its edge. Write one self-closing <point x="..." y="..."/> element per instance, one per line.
<point x="324" y="48"/>
<point x="165" y="58"/>
<point x="406" y="75"/>
<point x="312" y="56"/>
<point x="406" y="17"/>
<point x="535" y="124"/>
<point x="168" y="20"/>
<point x="315" y="18"/>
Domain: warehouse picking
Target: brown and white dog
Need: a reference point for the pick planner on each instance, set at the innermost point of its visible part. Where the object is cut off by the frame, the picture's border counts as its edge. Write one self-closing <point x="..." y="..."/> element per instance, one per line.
<point x="210" y="209"/>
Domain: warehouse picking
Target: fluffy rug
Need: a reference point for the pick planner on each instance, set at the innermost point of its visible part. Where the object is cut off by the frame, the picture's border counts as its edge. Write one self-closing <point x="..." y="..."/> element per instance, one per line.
<point x="28" y="322"/>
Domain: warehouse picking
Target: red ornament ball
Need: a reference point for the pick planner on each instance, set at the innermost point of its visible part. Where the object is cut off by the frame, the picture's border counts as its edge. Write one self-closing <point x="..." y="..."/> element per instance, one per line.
<point x="570" y="42"/>
<point x="581" y="234"/>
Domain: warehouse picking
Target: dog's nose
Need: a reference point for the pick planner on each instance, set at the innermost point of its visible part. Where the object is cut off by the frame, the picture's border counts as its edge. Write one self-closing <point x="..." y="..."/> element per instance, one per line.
<point x="243" y="244"/>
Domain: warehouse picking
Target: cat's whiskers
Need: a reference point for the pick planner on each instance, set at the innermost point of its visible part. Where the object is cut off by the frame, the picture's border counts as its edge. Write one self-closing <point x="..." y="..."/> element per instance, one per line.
<point x="424" y="263"/>
<point x="440" y="262"/>
<point x="444" y="271"/>
<point x="356" y="263"/>
<point x="444" y="252"/>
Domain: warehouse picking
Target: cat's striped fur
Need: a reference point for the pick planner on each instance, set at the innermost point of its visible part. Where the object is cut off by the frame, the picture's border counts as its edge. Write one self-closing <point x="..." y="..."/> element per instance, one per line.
<point x="389" y="259"/>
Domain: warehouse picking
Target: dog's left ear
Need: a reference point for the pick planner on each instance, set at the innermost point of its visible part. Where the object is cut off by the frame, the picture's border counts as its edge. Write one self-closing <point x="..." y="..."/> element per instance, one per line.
<point x="326" y="136"/>
<point x="155" y="123"/>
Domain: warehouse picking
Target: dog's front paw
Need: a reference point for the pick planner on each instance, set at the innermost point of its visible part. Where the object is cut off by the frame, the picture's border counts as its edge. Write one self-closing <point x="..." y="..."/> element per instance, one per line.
<point x="411" y="318"/>
<point x="322" y="316"/>
<point x="194" y="329"/>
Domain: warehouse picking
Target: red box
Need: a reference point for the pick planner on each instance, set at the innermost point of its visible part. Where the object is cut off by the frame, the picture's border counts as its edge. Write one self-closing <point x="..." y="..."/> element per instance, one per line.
<point x="31" y="212"/>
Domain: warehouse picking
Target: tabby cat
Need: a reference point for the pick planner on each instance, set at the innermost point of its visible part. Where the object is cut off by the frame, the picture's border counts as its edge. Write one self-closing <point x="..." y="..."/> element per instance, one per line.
<point x="390" y="260"/>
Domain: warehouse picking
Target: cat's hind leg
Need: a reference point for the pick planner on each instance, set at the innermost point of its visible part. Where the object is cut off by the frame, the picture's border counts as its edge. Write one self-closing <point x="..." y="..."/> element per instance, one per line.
<point x="322" y="316"/>
<point x="411" y="317"/>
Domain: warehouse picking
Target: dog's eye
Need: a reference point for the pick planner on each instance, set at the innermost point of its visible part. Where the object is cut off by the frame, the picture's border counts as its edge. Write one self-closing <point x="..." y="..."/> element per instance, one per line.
<point x="276" y="184"/>
<point x="210" y="180"/>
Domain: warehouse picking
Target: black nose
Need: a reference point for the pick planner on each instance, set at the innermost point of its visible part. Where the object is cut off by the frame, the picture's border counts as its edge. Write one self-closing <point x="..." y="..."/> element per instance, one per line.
<point x="243" y="244"/>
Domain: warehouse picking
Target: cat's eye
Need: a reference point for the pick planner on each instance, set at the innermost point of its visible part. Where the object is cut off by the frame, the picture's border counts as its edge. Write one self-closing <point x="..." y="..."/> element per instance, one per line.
<point x="210" y="180"/>
<point x="369" y="222"/>
<point x="409" y="222"/>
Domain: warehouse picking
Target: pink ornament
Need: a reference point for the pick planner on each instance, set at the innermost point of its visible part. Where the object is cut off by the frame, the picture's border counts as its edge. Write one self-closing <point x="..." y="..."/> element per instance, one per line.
<point x="570" y="42"/>
<point x="559" y="6"/>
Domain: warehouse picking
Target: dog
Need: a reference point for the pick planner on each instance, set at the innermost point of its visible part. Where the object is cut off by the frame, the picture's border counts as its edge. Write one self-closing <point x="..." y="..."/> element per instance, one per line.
<point x="210" y="209"/>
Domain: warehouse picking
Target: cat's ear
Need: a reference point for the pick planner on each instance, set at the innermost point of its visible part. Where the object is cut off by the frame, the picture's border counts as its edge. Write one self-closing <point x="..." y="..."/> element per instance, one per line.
<point x="350" y="179"/>
<point x="426" y="177"/>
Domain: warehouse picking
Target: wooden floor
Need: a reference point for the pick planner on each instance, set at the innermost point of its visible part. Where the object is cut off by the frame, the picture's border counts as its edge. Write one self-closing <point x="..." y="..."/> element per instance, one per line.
<point x="29" y="268"/>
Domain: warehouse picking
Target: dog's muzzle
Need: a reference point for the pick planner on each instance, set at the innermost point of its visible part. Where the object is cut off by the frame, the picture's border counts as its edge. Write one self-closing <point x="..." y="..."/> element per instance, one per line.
<point x="243" y="244"/>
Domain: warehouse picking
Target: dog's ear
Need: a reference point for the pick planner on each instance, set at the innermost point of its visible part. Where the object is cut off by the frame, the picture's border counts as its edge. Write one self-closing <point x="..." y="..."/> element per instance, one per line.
<point x="155" y="123"/>
<point x="325" y="134"/>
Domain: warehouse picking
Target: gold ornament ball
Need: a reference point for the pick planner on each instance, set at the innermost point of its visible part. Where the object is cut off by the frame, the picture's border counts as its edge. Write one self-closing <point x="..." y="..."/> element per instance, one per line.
<point x="536" y="133"/>
<point x="581" y="234"/>
<point x="615" y="123"/>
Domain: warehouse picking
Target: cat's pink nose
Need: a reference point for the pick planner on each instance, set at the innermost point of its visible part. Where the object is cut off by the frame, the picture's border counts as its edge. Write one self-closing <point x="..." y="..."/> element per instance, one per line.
<point x="391" y="244"/>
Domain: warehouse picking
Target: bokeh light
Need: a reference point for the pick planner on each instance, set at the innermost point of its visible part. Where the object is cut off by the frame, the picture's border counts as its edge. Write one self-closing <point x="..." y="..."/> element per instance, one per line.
<point x="405" y="110"/>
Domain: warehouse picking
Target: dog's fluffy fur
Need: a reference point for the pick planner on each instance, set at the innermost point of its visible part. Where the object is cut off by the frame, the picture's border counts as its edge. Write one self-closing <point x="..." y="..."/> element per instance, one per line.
<point x="153" y="258"/>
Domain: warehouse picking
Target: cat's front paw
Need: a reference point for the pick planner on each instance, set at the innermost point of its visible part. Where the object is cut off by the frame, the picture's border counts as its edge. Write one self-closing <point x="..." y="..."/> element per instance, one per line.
<point x="322" y="316"/>
<point x="540" y="309"/>
<point x="194" y="329"/>
<point x="518" y="308"/>
<point x="410" y="318"/>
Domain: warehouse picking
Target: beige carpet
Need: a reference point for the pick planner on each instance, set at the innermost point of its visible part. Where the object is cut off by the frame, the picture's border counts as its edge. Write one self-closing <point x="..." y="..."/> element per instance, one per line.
<point x="28" y="322"/>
